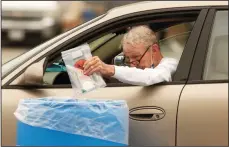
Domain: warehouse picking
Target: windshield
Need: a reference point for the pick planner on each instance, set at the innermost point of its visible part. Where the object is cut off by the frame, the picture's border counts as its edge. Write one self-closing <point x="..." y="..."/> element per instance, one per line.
<point x="17" y="61"/>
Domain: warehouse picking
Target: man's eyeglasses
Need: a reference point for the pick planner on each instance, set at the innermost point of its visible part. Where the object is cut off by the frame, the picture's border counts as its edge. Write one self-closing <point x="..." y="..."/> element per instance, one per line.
<point x="136" y="63"/>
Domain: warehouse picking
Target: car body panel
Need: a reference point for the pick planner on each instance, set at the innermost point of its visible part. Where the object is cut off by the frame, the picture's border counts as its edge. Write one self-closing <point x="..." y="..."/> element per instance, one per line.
<point x="149" y="5"/>
<point x="203" y="115"/>
<point x="165" y="97"/>
<point x="203" y="106"/>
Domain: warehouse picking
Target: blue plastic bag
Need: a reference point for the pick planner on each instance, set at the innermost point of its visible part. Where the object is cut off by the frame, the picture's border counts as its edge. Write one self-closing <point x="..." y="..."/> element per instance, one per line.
<point x="103" y="119"/>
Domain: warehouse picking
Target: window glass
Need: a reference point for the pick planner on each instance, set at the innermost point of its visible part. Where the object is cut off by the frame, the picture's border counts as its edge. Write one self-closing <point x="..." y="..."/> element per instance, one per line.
<point x="172" y="40"/>
<point x="216" y="66"/>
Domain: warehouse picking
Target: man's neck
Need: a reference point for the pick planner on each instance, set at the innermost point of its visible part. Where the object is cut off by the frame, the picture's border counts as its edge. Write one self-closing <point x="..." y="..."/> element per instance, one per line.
<point x="157" y="61"/>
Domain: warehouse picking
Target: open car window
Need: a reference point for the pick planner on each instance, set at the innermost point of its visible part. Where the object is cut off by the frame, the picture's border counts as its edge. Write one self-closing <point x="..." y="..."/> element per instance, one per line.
<point x="172" y="42"/>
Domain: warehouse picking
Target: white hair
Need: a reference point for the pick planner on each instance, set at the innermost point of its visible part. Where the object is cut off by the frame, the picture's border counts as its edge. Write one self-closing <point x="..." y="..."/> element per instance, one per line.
<point x="140" y="34"/>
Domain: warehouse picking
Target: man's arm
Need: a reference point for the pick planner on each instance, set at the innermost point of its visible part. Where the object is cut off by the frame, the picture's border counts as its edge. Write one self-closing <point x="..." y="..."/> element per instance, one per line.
<point x="163" y="72"/>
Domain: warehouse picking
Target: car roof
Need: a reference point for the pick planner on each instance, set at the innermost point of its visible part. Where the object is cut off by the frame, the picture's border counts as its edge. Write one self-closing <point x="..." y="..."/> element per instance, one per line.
<point x="154" y="5"/>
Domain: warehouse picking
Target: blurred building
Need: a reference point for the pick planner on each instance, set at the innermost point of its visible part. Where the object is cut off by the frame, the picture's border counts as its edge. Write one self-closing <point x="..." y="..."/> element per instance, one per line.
<point x="78" y="12"/>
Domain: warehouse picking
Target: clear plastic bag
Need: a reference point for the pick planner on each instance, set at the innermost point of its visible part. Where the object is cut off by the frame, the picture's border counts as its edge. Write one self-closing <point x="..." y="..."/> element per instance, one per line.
<point x="81" y="83"/>
<point x="102" y="119"/>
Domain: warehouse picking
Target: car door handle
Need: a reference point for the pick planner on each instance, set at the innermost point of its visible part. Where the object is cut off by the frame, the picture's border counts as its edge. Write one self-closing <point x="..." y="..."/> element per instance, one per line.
<point x="142" y="116"/>
<point x="147" y="114"/>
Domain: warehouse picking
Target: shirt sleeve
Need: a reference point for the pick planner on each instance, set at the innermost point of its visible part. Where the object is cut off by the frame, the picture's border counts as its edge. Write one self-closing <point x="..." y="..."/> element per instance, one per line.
<point x="149" y="76"/>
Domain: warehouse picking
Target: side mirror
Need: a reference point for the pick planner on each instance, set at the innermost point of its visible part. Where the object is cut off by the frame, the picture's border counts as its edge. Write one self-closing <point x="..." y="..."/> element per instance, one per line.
<point x="119" y="60"/>
<point x="33" y="75"/>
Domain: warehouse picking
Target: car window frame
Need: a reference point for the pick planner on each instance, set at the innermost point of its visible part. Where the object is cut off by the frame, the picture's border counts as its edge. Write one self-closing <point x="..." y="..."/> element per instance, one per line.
<point x="153" y="12"/>
<point x="198" y="65"/>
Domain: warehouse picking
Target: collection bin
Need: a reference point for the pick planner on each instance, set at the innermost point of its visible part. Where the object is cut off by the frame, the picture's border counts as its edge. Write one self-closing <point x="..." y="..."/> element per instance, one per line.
<point x="72" y="122"/>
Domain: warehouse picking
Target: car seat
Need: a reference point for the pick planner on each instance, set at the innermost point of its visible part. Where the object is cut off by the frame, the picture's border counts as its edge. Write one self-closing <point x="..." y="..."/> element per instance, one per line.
<point x="173" y="46"/>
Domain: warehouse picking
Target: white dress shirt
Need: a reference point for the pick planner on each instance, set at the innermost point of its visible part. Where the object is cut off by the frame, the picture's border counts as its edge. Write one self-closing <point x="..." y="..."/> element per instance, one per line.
<point x="149" y="76"/>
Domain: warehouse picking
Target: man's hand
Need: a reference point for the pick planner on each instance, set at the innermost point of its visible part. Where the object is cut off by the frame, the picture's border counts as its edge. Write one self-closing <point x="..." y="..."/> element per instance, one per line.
<point x="96" y="65"/>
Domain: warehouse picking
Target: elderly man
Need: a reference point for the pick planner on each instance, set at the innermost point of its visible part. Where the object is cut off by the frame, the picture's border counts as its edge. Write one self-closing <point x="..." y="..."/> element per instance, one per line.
<point x="146" y="65"/>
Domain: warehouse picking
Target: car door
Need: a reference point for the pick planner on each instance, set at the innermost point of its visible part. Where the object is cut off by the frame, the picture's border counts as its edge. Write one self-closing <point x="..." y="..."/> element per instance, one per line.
<point x="203" y="108"/>
<point x="153" y="109"/>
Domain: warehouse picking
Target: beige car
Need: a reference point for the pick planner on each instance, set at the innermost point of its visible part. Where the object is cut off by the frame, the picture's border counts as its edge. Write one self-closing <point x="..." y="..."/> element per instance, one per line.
<point x="190" y="110"/>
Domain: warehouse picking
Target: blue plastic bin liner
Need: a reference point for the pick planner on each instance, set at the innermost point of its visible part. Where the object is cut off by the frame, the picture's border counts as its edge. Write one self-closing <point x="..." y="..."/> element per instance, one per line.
<point x="55" y="122"/>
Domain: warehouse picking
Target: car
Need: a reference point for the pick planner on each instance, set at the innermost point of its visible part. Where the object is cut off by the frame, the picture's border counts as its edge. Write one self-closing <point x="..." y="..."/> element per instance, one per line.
<point x="190" y="110"/>
<point x="31" y="21"/>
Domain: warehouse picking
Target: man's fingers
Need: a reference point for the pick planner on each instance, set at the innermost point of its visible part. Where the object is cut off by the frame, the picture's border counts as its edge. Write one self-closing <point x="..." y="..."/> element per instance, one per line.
<point x="87" y="61"/>
<point x="90" y="63"/>
<point x="97" y="69"/>
<point x="86" y="72"/>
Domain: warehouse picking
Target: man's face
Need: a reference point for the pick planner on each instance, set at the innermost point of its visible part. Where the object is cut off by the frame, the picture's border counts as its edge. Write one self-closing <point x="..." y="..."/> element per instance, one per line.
<point x="136" y="52"/>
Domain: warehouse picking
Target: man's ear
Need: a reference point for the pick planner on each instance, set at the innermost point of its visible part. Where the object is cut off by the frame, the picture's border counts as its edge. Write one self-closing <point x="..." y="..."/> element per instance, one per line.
<point x="155" y="47"/>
